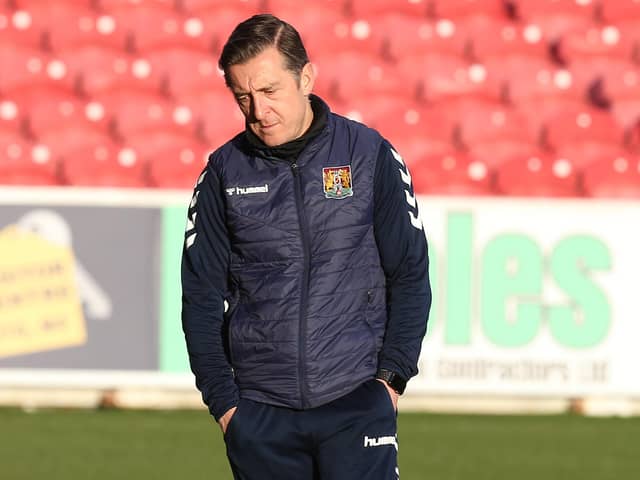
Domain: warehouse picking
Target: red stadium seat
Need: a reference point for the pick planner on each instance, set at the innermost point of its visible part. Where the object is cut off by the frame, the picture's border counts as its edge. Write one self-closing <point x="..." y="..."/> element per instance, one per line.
<point x="499" y="38"/>
<point x="585" y="126"/>
<point x="62" y="121"/>
<point x="215" y="24"/>
<point x="628" y="29"/>
<point x="195" y="6"/>
<point x="107" y="165"/>
<point x="62" y="24"/>
<point x="555" y="17"/>
<point x="527" y="8"/>
<point x="595" y="42"/>
<point x="414" y="130"/>
<point x="519" y="75"/>
<point x="178" y="167"/>
<point x="73" y="138"/>
<point x="155" y="26"/>
<point x="587" y="70"/>
<point x="617" y="177"/>
<point x="11" y="119"/>
<point x="537" y="176"/>
<point x="348" y="74"/>
<point x="96" y="69"/>
<point x="338" y="32"/>
<point x="134" y="110"/>
<point x="583" y="154"/>
<point x="108" y="5"/>
<point x="627" y="111"/>
<point x="23" y="66"/>
<point x="552" y="28"/>
<point x="495" y="153"/>
<point x="543" y="91"/>
<point x="15" y="29"/>
<point x="371" y="8"/>
<point x="182" y="69"/>
<point x="402" y="35"/>
<point x="620" y="85"/>
<point x="451" y="174"/>
<point x="47" y="109"/>
<point x="216" y="113"/>
<point x="492" y="132"/>
<point x="619" y="10"/>
<point x="441" y="76"/>
<point x="495" y="122"/>
<point x="17" y="4"/>
<point x="454" y="9"/>
<point x="23" y="163"/>
<point x="150" y="145"/>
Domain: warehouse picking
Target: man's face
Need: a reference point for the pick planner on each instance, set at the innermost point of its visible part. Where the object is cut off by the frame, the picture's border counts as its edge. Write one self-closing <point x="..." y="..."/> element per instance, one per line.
<point x="274" y="102"/>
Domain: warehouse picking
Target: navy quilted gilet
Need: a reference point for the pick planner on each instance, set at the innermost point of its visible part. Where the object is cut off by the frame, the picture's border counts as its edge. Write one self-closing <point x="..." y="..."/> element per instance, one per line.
<point x="307" y="309"/>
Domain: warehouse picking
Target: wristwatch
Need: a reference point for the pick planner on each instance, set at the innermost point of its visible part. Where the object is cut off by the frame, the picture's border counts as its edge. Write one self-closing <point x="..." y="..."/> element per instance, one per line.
<point x="395" y="381"/>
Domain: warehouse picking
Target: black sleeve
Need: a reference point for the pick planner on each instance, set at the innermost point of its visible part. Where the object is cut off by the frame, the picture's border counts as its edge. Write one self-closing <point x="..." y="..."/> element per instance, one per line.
<point x="205" y="263"/>
<point x="403" y="252"/>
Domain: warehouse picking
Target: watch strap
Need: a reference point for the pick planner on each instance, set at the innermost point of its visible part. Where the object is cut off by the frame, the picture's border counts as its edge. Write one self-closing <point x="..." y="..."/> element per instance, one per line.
<point x="395" y="381"/>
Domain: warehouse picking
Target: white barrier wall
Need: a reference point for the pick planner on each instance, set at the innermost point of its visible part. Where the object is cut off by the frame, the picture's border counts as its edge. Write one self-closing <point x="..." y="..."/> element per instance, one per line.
<point x="531" y="296"/>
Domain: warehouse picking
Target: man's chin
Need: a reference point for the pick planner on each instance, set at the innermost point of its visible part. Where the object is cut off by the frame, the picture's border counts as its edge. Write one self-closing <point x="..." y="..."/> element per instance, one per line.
<point x="271" y="140"/>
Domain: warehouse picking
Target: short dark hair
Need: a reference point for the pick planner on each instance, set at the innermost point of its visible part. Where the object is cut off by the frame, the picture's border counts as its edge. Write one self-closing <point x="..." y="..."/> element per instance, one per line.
<point x="254" y="35"/>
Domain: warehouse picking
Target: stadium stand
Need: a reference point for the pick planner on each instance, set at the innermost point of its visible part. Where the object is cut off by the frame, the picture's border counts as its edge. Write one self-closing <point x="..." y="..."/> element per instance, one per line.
<point x="249" y="6"/>
<point x="613" y="177"/>
<point x="453" y="173"/>
<point x="537" y="175"/>
<point x="341" y="34"/>
<point x="367" y="8"/>
<point x="106" y="165"/>
<point x="517" y="86"/>
<point x="554" y="17"/>
<point x="132" y="110"/>
<point x="64" y="24"/>
<point x="153" y="26"/>
<point x="177" y="166"/>
<point x="216" y="116"/>
<point x="180" y="69"/>
<point x="494" y="132"/>
<point x="15" y="29"/>
<point x="22" y="66"/>
<point x="93" y="69"/>
<point x="210" y="25"/>
<point x="619" y="10"/>
<point x="404" y="35"/>
<point x="586" y="129"/>
<point x="26" y="163"/>
<point x="350" y="74"/>
<point x="458" y="9"/>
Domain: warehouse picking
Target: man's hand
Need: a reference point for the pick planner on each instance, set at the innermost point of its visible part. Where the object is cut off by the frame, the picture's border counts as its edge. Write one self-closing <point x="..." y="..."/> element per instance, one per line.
<point x="225" y="419"/>
<point x="392" y="393"/>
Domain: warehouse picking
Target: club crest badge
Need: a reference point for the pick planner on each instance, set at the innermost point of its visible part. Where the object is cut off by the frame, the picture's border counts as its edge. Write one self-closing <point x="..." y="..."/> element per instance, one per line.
<point x="337" y="182"/>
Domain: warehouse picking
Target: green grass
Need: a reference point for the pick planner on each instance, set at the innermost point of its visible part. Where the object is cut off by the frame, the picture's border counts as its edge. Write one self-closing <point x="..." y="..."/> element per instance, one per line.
<point x="113" y="444"/>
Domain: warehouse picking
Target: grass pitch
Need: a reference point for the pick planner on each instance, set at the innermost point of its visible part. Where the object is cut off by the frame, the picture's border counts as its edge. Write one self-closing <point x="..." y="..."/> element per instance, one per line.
<point x="113" y="444"/>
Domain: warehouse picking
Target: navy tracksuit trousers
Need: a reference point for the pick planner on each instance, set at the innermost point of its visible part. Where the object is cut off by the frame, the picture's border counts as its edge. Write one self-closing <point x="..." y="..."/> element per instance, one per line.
<point x="351" y="438"/>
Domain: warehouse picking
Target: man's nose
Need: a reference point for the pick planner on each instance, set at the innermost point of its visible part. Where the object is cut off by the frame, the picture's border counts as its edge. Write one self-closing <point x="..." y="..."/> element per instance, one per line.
<point x="258" y="108"/>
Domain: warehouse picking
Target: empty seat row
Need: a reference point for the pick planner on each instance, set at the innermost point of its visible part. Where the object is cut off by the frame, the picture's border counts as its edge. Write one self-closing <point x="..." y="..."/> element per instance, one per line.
<point x="476" y="28"/>
<point x="110" y="164"/>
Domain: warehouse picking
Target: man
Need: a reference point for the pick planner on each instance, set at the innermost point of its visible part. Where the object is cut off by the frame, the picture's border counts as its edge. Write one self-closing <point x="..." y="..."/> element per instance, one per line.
<point x="304" y="272"/>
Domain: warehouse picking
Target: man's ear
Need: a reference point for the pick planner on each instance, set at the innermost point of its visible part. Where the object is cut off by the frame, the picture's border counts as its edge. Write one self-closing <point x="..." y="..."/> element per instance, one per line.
<point x="307" y="78"/>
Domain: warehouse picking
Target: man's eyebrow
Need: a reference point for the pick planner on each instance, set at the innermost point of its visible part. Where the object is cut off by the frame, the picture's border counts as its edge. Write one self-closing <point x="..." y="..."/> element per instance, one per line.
<point x="269" y="86"/>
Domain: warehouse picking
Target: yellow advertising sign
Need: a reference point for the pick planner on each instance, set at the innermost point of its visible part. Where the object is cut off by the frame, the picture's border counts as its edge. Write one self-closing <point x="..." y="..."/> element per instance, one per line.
<point x="39" y="304"/>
